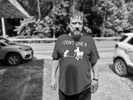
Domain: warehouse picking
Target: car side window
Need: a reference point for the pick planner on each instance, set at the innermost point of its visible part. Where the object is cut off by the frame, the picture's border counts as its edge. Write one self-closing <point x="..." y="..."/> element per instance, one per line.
<point x="131" y="41"/>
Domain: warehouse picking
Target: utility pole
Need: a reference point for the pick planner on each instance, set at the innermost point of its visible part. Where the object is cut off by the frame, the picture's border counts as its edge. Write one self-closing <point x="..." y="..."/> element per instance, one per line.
<point x="3" y="27"/>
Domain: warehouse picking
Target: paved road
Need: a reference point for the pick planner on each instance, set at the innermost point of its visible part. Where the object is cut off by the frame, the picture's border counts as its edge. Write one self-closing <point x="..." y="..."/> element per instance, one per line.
<point x="46" y="49"/>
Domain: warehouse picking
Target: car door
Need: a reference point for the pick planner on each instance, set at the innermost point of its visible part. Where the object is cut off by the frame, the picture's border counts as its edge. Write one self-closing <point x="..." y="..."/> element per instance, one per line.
<point x="129" y="49"/>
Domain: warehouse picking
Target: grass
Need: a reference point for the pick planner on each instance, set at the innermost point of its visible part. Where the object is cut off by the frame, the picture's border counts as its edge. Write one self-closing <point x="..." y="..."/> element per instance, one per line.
<point x="23" y="82"/>
<point x="31" y="81"/>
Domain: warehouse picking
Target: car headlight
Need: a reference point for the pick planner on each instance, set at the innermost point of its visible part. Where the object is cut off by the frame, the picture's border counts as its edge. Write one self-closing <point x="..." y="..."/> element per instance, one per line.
<point x="22" y="49"/>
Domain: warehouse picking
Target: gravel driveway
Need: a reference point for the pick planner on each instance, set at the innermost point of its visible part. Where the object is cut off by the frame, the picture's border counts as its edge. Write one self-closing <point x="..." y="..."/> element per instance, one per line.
<point x="111" y="86"/>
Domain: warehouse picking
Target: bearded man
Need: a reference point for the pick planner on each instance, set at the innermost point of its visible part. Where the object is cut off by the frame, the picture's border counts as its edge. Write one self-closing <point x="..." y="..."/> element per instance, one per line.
<point x="76" y="56"/>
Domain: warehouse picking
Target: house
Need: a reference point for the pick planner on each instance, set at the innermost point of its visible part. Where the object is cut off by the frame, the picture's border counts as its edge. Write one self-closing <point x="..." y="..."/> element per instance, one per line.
<point x="11" y="9"/>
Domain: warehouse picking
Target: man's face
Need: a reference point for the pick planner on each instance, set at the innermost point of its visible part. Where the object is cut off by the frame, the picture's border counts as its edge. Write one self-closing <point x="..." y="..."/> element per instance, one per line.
<point x="76" y="26"/>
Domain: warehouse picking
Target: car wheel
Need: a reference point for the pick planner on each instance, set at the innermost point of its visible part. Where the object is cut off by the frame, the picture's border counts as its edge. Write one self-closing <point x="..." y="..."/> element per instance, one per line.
<point x="13" y="59"/>
<point x="120" y="67"/>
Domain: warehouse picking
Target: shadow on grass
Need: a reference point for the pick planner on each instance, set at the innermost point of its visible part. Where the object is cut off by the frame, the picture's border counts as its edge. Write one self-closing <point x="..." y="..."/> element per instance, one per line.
<point x="129" y="76"/>
<point x="23" y="82"/>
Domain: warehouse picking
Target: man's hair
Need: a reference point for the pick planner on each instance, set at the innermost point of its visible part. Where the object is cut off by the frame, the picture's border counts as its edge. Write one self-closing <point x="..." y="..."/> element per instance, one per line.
<point x="77" y="15"/>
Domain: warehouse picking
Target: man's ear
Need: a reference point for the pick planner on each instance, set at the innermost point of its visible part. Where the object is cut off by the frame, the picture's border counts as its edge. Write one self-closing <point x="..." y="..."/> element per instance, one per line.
<point x="69" y="25"/>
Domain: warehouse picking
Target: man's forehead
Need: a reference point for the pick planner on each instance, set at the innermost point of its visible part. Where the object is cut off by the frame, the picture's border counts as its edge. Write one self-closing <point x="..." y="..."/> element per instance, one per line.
<point x="76" y="19"/>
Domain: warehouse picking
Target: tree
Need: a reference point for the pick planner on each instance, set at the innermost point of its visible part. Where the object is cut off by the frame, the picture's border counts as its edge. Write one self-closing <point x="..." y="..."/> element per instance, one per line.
<point x="53" y="22"/>
<point x="103" y="17"/>
<point x="37" y="8"/>
<point x="115" y="16"/>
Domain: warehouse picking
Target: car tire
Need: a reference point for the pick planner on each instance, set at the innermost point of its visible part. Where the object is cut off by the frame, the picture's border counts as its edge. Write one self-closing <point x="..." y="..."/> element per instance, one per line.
<point x="13" y="59"/>
<point x="120" y="67"/>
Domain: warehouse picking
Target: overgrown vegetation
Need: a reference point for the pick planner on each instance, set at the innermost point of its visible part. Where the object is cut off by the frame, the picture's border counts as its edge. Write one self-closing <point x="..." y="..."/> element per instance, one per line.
<point x="103" y="17"/>
<point x="54" y="23"/>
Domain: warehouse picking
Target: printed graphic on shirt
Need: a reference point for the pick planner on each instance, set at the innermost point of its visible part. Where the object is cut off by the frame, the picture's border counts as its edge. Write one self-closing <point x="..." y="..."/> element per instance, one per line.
<point x="66" y="54"/>
<point x="68" y="42"/>
<point x="78" y="54"/>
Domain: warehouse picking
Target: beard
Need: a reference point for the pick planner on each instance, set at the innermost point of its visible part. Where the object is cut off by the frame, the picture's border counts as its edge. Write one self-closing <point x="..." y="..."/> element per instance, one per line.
<point x="76" y="35"/>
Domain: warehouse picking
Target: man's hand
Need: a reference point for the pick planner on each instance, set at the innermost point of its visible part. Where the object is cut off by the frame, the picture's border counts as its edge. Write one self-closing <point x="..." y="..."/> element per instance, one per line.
<point x="53" y="84"/>
<point x="94" y="86"/>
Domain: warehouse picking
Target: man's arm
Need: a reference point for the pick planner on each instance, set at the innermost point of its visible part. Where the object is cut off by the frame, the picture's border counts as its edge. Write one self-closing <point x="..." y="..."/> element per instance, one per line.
<point x="53" y="74"/>
<point x="94" y="60"/>
<point x="95" y="77"/>
<point x="95" y="70"/>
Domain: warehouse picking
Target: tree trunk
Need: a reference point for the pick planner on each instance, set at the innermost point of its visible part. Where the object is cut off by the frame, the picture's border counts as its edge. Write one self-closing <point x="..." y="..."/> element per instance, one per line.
<point x="74" y="4"/>
<point x="39" y="11"/>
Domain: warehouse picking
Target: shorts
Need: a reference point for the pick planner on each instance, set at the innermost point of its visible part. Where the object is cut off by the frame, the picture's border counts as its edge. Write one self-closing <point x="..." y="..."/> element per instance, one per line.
<point x="85" y="95"/>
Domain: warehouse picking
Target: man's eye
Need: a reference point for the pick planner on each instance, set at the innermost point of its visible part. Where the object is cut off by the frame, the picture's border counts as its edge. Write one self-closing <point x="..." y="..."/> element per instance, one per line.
<point x="80" y="23"/>
<point x="74" y="23"/>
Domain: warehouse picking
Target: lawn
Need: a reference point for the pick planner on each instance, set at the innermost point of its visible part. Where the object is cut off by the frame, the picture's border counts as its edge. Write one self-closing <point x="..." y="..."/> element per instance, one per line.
<point x="31" y="81"/>
<point x="23" y="82"/>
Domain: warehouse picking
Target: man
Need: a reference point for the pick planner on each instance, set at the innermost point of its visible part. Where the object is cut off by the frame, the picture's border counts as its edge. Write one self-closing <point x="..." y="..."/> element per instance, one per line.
<point x="77" y="55"/>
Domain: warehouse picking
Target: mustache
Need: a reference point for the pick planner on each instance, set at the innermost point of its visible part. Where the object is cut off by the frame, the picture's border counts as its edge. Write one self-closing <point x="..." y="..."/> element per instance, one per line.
<point x="77" y="29"/>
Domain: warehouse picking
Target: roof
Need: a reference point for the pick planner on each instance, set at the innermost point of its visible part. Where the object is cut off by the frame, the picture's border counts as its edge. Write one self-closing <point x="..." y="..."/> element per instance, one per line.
<point x="7" y="10"/>
<point x="129" y="34"/>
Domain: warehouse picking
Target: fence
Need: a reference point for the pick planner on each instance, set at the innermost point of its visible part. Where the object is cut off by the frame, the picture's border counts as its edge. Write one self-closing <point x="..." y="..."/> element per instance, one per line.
<point x="49" y="40"/>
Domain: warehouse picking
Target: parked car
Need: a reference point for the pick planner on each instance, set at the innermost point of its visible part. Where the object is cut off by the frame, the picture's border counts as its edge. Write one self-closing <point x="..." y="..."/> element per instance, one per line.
<point x="123" y="56"/>
<point x="12" y="53"/>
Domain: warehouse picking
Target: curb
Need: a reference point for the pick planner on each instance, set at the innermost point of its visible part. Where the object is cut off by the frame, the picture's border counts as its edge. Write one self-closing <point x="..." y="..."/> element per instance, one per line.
<point x="39" y="57"/>
<point x="48" y="57"/>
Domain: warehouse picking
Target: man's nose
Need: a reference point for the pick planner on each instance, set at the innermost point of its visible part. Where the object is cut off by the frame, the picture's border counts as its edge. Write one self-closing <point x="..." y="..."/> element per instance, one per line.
<point x="77" y="28"/>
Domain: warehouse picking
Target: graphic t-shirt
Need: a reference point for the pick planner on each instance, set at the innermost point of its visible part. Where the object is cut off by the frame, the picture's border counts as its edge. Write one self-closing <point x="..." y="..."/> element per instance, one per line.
<point x="76" y="60"/>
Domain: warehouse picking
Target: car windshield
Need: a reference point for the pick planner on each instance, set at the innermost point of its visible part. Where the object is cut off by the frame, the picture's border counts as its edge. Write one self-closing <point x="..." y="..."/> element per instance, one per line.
<point x="123" y="38"/>
<point x="6" y="41"/>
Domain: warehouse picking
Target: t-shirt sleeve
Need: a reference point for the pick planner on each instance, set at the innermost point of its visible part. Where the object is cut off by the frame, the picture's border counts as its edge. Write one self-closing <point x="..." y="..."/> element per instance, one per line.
<point x="55" y="53"/>
<point x="94" y="55"/>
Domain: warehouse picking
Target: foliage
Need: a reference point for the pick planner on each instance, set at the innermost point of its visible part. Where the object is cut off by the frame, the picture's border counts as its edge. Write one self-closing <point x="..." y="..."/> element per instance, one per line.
<point x="35" y="28"/>
<point x="25" y="27"/>
<point x="108" y="32"/>
<point x="103" y="17"/>
<point x="31" y="6"/>
<point x="116" y="15"/>
<point x="55" y="22"/>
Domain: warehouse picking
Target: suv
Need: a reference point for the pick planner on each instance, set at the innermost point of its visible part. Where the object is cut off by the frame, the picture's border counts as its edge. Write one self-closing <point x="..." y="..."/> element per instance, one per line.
<point x="12" y="53"/>
<point x="123" y="56"/>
